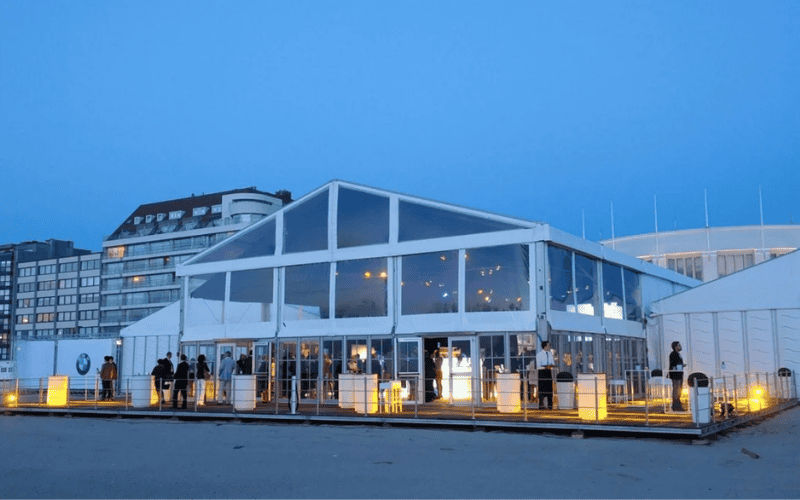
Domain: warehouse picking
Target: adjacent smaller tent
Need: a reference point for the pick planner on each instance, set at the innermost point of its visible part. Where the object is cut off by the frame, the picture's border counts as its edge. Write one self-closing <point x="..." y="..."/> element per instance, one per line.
<point x="748" y="322"/>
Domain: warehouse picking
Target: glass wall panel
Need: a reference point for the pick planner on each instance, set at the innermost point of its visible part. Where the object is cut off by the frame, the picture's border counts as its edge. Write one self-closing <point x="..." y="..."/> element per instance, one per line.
<point x="206" y="297"/>
<point x="287" y="367"/>
<point x="560" y="279"/>
<point x="633" y="295"/>
<point x="497" y="279"/>
<point x="332" y="366"/>
<point x="408" y="356"/>
<point x="522" y="347"/>
<point x="309" y="368"/>
<point x="356" y="352"/>
<point x="362" y="218"/>
<point x="257" y="242"/>
<point x="361" y="288"/>
<point x="430" y="283"/>
<point x="251" y="296"/>
<point x="419" y="222"/>
<point x="492" y="356"/>
<point x="307" y="291"/>
<point x="587" y="293"/>
<point x="612" y="291"/>
<point x="305" y="226"/>
<point x="382" y="358"/>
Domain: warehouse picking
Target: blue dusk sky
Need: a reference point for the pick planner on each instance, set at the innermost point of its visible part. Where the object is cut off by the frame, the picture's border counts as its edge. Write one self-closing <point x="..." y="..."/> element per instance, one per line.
<point x="532" y="109"/>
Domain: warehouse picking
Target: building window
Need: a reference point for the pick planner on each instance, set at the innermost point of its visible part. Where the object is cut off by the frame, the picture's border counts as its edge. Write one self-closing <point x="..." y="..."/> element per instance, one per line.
<point x="67" y="316"/>
<point x="362" y="218"/>
<point x="216" y="209"/>
<point x="69" y="283"/>
<point x="87" y="265"/>
<point x="198" y="211"/>
<point x="688" y="266"/>
<point x="87" y="298"/>
<point x="24" y="319"/>
<point x="729" y="263"/>
<point x="305" y="226"/>
<point x="612" y="291"/>
<point x="90" y="281"/>
<point x="160" y="217"/>
<point x="497" y="279"/>
<point x="257" y="241"/>
<point x="24" y="303"/>
<point x="633" y="295"/>
<point x="206" y="297"/>
<point x="420" y="222"/>
<point x="45" y="317"/>
<point x="115" y="252"/>
<point x="361" y="288"/>
<point x="49" y="269"/>
<point x="65" y="300"/>
<point x="92" y="314"/>
<point x="27" y="271"/>
<point x="560" y="279"/>
<point x="251" y="296"/>
<point x="587" y="289"/>
<point x="45" y="301"/>
<point x="68" y="267"/>
<point x="307" y="291"/>
<point x="430" y="283"/>
<point x="47" y="285"/>
<point x="176" y="214"/>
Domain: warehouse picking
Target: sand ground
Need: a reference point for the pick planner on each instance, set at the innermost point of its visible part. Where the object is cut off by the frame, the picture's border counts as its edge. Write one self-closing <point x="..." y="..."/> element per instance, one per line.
<point x="61" y="457"/>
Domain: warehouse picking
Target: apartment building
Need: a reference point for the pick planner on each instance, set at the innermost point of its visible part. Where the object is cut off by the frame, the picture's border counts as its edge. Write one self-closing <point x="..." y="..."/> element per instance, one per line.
<point x="139" y="257"/>
<point x="48" y="290"/>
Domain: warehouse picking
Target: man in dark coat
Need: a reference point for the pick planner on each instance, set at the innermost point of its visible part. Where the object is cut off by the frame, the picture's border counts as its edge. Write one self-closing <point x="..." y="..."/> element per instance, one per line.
<point x="676" y="375"/>
<point x="160" y="373"/>
<point x="181" y="382"/>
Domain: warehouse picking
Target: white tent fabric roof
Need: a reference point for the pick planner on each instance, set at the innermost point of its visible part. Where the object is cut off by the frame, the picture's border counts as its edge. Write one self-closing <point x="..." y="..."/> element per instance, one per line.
<point x="774" y="284"/>
<point x="163" y="322"/>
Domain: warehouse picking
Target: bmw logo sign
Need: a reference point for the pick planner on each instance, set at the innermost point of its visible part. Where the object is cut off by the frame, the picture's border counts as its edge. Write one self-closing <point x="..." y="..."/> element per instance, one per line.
<point x="83" y="364"/>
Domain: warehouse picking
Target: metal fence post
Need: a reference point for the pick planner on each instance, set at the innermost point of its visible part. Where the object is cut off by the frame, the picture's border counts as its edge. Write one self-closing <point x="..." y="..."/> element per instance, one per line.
<point x="596" y="402"/>
<point x="525" y="395"/>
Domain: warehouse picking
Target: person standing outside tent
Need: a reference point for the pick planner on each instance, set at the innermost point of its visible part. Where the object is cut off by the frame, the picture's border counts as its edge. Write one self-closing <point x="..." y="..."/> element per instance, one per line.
<point x="676" y="374"/>
<point x="181" y="382"/>
<point x="438" y="360"/>
<point x="545" y="362"/>
<point x="107" y="374"/>
<point x="226" y="368"/>
<point x="201" y="373"/>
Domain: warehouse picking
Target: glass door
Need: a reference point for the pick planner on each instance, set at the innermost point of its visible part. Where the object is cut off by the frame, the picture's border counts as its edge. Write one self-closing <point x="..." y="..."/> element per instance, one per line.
<point x="408" y="368"/>
<point x="287" y="367"/>
<point x="458" y="370"/>
<point x="331" y="368"/>
<point x="264" y="370"/>
<point x="309" y="368"/>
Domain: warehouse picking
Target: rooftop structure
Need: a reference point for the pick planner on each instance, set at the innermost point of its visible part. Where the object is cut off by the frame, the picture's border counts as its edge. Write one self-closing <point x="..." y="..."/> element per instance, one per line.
<point x="710" y="253"/>
<point x="140" y="256"/>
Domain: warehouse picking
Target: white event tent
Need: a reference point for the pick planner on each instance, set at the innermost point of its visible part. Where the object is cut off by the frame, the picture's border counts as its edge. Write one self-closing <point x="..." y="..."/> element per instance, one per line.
<point x="352" y="270"/>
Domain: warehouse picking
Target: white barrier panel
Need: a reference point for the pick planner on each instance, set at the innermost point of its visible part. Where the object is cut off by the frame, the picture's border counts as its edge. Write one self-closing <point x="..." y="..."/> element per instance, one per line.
<point x="244" y="392"/>
<point x="57" y="391"/>
<point x="592" y="396"/>
<point x="366" y="393"/>
<point x="566" y="395"/>
<point x="346" y="399"/>
<point x="700" y="404"/>
<point x="508" y="400"/>
<point x="141" y="391"/>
